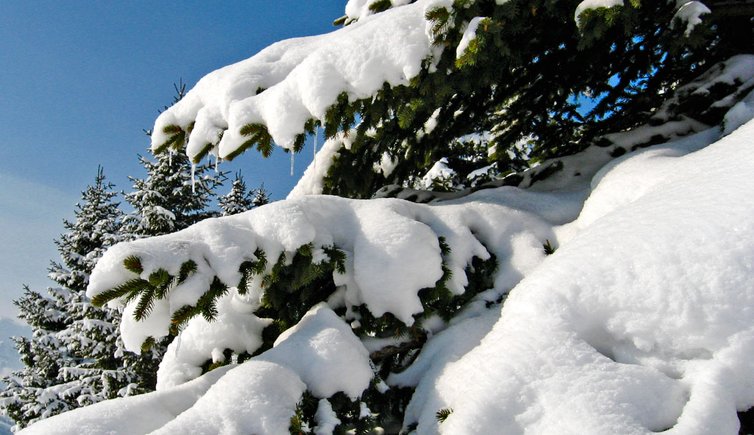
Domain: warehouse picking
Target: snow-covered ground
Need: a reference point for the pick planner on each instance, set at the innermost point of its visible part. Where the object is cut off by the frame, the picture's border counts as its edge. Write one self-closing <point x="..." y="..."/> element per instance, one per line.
<point x="641" y="321"/>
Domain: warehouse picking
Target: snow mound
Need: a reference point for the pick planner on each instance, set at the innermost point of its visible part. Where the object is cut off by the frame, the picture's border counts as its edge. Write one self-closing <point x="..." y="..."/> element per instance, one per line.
<point x="320" y="354"/>
<point x="641" y="323"/>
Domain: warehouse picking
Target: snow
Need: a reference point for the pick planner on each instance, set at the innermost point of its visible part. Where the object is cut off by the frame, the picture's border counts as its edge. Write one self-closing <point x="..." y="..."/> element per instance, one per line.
<point x="326" y="418"/>
<point x="593" y="4"/>
<point x="690" y="12"/>
<point x="629" y="327"/>
<point x="236" y="330"/>
<point x="312" y="182"/>
<point x="469" y="34"/>
<point x="299" y="79"/>
<point x="386" y="241"/>
<point x="739" y="114"/>
<point x="320" y="354"/>
<point x="438" y="173"/>
<point x="639" y="322"/>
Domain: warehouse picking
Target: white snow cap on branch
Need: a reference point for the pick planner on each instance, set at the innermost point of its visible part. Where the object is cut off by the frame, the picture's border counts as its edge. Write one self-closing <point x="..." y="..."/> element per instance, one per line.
<point x="690" y="12"/>
<point x="298" y="79"/>
<point x="594" y="4"/>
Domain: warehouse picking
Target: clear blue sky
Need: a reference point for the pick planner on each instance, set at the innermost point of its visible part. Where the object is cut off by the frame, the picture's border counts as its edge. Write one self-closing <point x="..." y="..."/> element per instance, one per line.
<point x="79" y="80"/>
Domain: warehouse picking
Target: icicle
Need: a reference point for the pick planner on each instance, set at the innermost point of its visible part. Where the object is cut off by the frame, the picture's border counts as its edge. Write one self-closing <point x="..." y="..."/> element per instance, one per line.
<point x="291" y="163"/>
<point x="316" y="139"/>
<point x="178" y="343"/>
<point x="217" y="163"/>
<point x="193" y="177"/>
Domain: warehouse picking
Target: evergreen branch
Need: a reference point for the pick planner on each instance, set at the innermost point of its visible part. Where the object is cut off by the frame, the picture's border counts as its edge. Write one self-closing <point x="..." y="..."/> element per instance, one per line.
<point x="187" y="269"/>
<point x="132" y="263"/>
<point x="133" y="286"/>
<point x="145" y="304"/>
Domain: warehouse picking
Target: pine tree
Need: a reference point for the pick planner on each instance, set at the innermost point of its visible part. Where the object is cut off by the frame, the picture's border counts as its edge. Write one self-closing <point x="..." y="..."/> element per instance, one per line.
<point x="70" y="360"/>
<point x="517" y="85"/>
<point x="239" y="199"/>
<point x="261" y="197"/>
<point x="173" y="196"/>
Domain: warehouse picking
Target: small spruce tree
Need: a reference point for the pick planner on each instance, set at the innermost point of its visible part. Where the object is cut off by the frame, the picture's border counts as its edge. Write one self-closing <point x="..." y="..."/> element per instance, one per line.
<point x="239" y="199"/>
<point x="70" y="359"/>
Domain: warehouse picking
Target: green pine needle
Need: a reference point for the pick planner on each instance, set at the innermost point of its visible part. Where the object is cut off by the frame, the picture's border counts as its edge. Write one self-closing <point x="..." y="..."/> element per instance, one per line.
<point x="443" y="414"/>
<point x="132" y="263"/>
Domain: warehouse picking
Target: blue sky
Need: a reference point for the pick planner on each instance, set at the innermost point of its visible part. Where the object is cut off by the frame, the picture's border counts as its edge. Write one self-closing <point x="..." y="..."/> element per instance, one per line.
<point x="81" y="79"/>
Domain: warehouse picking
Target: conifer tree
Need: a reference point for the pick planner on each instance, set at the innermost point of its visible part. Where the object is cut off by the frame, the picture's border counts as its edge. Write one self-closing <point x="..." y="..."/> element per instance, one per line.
<point x="520" y="94"/>
<point x="239" y="199"/>
<point x="70" y="359"/>
<point x="173" y="196"/>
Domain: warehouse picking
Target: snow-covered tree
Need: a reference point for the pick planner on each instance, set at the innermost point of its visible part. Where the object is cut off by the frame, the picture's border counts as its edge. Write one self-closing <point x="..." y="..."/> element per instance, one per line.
<point x="174" y="195"/>
<point x="569" y="296"/>
<point x="515" y="71"/>
<point x="70" y="359"/>
<point x="240" y="199"/>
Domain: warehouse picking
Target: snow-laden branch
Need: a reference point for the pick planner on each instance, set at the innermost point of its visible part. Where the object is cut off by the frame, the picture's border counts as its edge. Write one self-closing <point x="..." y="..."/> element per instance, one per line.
<point x="640" y="322"/>
<point x="392" y="251"/>
<point x="293" y="81"/>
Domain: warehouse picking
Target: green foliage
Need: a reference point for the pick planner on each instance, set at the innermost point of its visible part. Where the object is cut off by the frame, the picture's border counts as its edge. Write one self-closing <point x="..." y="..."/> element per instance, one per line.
<point x="176" y="139"/>
<point x="132" y="263"/>
<point x="303" y="417"/>
<point x="520" y="79"/>
<point x="296" y="284"/>
<point x="259" y="136"/>
<point x="380" y="6"/>
<point x="548" y="248"/>
<point x="443" y="414"/>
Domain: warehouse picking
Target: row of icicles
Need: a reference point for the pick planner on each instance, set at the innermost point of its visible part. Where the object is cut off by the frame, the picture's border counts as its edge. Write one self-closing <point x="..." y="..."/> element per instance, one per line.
<point x="217" y="160"/>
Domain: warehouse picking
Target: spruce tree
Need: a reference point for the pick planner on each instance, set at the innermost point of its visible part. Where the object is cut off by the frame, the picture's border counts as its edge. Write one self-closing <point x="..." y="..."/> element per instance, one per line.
<point x="173" y="196"/>
<point x="70" y="359"/>
<point x="175" y="193"/>
<point x="239" y="199"/>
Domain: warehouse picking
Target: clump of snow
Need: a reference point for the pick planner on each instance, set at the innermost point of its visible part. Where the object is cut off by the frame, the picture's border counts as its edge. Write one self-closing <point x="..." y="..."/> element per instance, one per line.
<point x="236" y="328"/>
<point x="325" y="353"/>
<point x="593" y="4"/>
<point x="741" y="113"/>
<point x="327" y="420"/>
<point x="690" y="12"/>
<point x="439" y="174"/>
<point x="469" y="34"/>
<point x="255" y="397"/>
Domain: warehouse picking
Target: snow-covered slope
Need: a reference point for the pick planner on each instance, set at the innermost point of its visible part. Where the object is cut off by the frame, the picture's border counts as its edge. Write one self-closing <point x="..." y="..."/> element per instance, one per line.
<point x="641" y="321"/>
